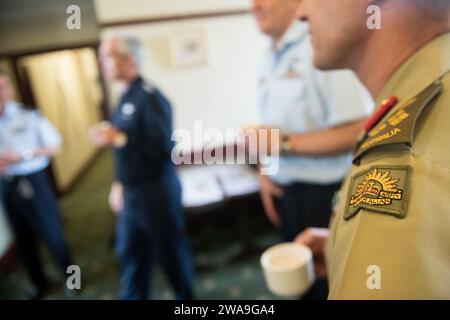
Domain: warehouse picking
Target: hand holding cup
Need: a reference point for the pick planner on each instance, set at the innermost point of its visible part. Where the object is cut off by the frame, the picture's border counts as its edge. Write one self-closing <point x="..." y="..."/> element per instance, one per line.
<point x="288" y="269"/>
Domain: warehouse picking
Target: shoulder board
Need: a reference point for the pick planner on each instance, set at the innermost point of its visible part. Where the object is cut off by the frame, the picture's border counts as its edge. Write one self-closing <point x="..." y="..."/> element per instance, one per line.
<point x="149" y="88"/>
<point x="399" y="124"/>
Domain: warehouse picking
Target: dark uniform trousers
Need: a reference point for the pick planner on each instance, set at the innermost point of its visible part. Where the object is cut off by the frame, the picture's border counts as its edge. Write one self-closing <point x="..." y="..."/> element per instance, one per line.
<point x="306" y="205"/>
<point x="151" y="228"/>
<point x="32" y="217"/>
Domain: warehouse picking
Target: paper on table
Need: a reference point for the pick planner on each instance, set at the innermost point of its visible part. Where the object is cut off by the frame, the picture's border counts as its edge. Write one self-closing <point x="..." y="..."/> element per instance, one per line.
<point x="237" y="180"/>
<point x="204" y="185"/>
<point x="200" y="186"/>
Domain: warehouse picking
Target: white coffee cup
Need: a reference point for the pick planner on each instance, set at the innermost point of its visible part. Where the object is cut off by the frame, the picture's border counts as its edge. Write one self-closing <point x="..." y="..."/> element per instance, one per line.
<point x="288" y="269"/>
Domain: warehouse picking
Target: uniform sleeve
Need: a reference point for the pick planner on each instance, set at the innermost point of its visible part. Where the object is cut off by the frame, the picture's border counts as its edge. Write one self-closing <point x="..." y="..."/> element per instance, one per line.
<point x="48" y="134"/>
<point x="345" y="98"/>
<point x="157" y="127"/>
<point x="378" y="256"/>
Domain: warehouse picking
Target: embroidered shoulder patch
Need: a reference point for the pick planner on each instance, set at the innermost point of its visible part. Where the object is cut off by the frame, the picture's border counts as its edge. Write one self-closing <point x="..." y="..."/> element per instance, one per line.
<point x="379" y="189"/>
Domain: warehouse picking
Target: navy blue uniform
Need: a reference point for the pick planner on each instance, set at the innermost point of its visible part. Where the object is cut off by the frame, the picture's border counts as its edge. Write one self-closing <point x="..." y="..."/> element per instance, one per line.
<point x="151" y="226"/>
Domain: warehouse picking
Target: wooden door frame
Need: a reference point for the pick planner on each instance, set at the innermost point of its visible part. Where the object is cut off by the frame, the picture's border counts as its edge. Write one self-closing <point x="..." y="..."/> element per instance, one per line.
<point x="28" y="97"/>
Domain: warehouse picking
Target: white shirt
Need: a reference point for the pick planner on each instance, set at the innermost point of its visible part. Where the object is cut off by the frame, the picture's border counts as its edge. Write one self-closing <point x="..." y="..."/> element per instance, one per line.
<point x="22" y="129"/>
<point x="297" y="98"/>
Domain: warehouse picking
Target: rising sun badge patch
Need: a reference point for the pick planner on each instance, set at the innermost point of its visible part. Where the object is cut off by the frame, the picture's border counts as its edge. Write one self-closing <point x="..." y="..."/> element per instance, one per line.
<point x="380" y="189"/>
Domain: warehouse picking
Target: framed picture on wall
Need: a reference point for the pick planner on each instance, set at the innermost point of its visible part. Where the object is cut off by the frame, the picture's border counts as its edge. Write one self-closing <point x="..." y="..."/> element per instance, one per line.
<point x="189" y="49"/>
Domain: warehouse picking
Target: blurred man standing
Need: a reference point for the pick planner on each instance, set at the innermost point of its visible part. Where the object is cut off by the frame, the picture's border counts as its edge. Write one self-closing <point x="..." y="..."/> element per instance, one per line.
<point x="147" y="194"/>
<point x="27" y="142"/>
<point x="319" y="115"/>
<point x="390" y="235"/>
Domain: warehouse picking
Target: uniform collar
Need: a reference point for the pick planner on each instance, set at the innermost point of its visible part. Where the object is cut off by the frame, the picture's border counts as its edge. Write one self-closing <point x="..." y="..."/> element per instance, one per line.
<point x="295" y="34"/>
<point x="419" y="71"/>
<point x="136" y="81"/>
<point x="132" y="85"/>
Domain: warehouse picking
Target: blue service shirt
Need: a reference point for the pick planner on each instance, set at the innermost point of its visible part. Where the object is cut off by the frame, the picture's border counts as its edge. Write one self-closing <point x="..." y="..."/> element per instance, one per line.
<point x="297" y="98"/>
<point x="145" y="116"/>
<point x="22" y="129"/>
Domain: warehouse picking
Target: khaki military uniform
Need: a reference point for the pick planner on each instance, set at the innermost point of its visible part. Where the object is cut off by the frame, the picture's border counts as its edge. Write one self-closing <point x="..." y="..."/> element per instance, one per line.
<point x="390" y="237"/>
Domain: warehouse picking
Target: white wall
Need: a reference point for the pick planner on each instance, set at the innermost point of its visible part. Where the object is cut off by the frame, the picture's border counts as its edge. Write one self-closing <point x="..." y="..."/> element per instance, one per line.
<point x="222" y="93"/>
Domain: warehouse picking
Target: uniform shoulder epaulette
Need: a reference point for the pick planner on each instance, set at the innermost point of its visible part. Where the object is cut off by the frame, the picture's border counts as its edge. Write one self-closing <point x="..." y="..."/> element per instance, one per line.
<point x="398" y="125"/>
<point x="148" y="87"/>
